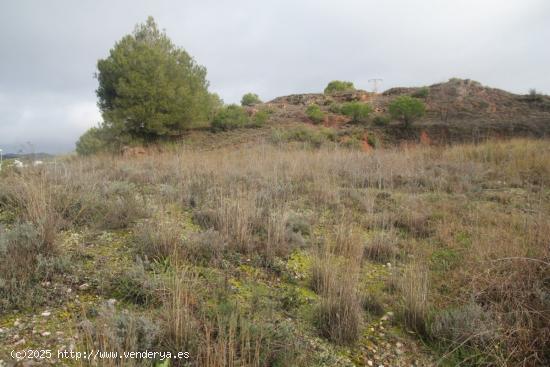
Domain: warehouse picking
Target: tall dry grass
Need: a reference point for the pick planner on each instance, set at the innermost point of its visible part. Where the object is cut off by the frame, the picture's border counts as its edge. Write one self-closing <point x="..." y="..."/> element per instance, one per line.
<point x="476" y="215"/>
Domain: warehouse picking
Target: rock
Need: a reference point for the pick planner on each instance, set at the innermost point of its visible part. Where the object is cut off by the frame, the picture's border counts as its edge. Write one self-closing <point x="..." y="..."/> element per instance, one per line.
<point x="2" y="331"/>
<point x="17" y="323"/>
<point x="46" y="313"/>
<point x="388" y="265"/>
<point x="69" y="290"/>
<point x="46" y="333"/>
<point x="370" y="363"/>
<point x="84" y="286"/>
<point x="399" y="345"/>
<point x="111" y="302"/>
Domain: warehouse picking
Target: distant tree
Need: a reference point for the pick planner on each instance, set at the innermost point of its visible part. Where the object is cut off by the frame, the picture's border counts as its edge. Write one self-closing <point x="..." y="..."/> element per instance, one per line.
<point x="359" y="112"/>
<point x="423" y="92"/>
<point x="148" y="87"/>
<point x="339" y="86"/>
<point x="250" y="99"/>
<point x="407" y="109"/>
<point x="314" y="113"/>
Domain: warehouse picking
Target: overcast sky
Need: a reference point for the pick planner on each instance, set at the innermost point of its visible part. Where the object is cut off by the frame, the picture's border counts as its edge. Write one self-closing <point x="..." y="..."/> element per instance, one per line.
<point x="49" y="51"/>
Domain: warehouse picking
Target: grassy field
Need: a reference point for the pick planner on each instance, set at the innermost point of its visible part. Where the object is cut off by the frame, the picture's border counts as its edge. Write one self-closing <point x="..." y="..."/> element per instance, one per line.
<point x="283" y="256"/>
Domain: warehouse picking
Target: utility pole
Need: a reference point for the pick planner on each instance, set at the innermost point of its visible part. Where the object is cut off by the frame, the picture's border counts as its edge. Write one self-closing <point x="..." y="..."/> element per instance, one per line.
<point x="375" y="83"/>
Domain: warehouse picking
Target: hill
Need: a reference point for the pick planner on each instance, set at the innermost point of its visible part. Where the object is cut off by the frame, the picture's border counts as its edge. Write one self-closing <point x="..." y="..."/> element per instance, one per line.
<point x="457" y="111"/>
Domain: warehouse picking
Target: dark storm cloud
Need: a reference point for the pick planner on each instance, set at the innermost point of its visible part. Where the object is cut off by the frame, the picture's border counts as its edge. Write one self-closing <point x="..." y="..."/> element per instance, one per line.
<point x="50" y="48"/>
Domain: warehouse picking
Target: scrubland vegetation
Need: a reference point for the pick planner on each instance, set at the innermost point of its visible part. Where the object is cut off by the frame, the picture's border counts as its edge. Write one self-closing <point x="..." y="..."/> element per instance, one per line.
<point x="284" y="256"/>
<point x="308" y="246"/>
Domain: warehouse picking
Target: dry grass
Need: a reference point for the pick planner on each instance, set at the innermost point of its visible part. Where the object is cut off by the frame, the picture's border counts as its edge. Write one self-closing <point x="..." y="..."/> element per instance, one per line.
<point x="475" y="217"/>
<point x="158" y="239"/>
<point x="335" y="276"/>
<point x="382" y="247"/>
<point x="413" y="287"/>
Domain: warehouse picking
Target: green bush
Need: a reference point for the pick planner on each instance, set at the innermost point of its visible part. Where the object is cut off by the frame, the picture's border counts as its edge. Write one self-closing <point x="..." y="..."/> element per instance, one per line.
<point x="260" y="118"/>
<point x="407" y="109"/>
<point x="315" y="138"/>
<point x="359" y="112"/>
<point x="230" y="117"/>
<point x="423" y="92"/>
<point x="250" y="99"/>
<point x="339" y="86"/>
<point x="314" y="113"/>
<point x="133" y="284"/>
<point x="335" y="108"/>
<point x="381" y="120"/>
<point x="373" y="141"/>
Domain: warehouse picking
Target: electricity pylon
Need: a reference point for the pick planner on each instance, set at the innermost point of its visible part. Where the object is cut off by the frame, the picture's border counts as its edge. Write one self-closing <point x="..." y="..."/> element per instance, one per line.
<point x="375" y="82"/>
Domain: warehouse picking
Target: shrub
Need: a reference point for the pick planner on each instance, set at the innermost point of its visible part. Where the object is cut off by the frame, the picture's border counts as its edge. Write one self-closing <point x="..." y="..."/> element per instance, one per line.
<point x="250" y="99"/>
<point x="205" y="248"/>
<point x="303" y="134"/>
<point x="373" y="141"/>
<point x="469" y="324"/>
<point x="423" y="92"/>
<point x="351" y="142"/>
<point x="159" y="239"/>
<point x="357" y="111"/>
<point x="407" y="109"/>
<point x="335" y="107"/>
<point x="133" y="285"/>
<point x="120" y="331"/>
<point x="230" y="117"/>
<point x="260" y="118"/>
<point x="339" y="86"/>
<point x="25" y="261"/>
<point x="120" y="205"/>
<point x="382" y="247"/>
<point x="381" y="120"/>
<point x="314" y="113"/>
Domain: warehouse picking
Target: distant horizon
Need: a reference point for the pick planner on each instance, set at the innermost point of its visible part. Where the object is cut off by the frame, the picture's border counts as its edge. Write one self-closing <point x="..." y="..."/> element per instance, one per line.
<point x="23" y="151"/>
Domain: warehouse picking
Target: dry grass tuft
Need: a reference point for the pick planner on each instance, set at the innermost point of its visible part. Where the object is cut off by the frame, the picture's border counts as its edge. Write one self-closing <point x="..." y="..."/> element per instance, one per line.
<point x="413" y="287"/>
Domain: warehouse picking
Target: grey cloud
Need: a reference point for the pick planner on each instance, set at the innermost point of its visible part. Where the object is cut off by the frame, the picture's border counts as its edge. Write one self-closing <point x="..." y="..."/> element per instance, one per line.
<point x="49" y="50"/>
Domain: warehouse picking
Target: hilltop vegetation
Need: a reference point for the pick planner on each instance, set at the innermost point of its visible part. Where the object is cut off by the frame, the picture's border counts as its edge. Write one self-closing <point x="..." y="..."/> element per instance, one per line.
<point x="151" y="91"/>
